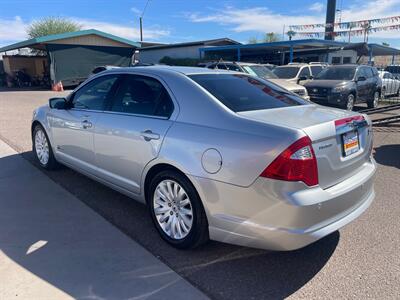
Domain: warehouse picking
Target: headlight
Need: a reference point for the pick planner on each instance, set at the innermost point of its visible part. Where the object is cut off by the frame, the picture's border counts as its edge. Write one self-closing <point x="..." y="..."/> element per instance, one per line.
<point x="339" y="89"/>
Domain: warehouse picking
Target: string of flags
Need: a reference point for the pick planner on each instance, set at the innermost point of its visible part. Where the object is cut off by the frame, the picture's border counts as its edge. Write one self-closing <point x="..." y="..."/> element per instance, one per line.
<point x="356" y="32"/>
<point x="347" y="25"/>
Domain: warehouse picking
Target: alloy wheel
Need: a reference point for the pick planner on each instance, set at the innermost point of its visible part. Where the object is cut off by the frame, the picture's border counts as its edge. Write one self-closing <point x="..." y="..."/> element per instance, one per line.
<point x="376" y="99"/>
<point x="173" y="209"/>
<point x="350" y="102"/>
<point x="42" y="147"/>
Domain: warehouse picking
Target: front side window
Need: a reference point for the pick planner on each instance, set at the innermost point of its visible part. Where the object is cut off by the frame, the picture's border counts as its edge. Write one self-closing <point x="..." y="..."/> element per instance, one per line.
<point x="142" y="95"/>
<point x="368" y="72"/>
<point x="286" y="72"/>
<point x="93" y="95"/>
<point x="316" y="70"/>
<point x="305" y="72"/>
<point x="244" y="93"/>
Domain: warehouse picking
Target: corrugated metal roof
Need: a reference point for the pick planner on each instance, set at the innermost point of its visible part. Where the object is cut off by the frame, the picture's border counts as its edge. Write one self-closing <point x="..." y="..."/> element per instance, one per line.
<point x="195" y="43"/>
<point x="55" y="37"/>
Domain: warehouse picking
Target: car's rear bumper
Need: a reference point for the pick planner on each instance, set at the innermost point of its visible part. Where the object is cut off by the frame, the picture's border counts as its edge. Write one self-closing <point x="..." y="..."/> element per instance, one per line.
<point x="277" y="215"/>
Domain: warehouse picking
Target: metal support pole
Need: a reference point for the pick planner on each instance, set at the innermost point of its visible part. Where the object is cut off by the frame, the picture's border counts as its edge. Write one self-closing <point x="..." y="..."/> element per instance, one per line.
<point x="141" y="30"/>
<point x="370" y="56"/>
<point x="238" y="54"/>
<point x="392" y="59"/>
<point x="291" y="54"/>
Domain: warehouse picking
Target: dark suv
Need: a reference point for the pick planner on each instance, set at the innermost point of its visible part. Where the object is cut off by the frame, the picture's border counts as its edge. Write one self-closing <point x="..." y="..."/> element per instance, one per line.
<point x="345" y="85"/>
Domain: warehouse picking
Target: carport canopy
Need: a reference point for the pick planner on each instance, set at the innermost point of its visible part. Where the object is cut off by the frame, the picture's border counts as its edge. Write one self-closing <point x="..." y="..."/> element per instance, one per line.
<point x="292" y="46"/>
<point x="73" y="55"/>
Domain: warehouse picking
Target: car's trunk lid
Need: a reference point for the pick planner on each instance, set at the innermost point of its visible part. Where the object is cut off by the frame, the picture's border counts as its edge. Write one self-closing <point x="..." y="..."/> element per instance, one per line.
<point x="329" y="130"/>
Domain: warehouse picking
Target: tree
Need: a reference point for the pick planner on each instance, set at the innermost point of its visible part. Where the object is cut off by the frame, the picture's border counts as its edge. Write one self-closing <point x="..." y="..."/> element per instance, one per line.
<point x="253" y="40"/>
<point x="291" y="34"/>
<point x="271" y="37"/>
<point x="52" y="25"/>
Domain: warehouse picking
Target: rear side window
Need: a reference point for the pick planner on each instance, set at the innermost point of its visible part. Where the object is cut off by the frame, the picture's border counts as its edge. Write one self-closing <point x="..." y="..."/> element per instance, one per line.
<point x="244" y="93"/>
<point x="142" y="95"/>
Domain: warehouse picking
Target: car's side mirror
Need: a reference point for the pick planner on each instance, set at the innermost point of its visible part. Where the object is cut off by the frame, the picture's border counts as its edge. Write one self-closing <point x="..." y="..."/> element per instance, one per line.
<point x="58" y="103"/>
<point x="302" y="78"/>
<point x="361" y="78"/>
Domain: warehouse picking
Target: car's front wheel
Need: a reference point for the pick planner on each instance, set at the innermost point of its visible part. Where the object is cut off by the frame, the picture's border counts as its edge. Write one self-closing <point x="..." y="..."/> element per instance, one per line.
<point x="176" y="210"/>
<point x="373" y="103"/>
<point x="42" y="148"/>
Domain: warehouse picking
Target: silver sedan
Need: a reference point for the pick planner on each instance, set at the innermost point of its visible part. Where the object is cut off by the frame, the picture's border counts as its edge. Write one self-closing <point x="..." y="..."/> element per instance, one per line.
<point x="214" y="155"/>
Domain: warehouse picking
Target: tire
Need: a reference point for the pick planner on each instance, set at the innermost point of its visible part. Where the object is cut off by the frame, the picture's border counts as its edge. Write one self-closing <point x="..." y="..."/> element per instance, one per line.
<point x="39" y="142"/>
<point x="374" y="102"/>
<point x="349" y="105"/>
<point x="168" y="212"/>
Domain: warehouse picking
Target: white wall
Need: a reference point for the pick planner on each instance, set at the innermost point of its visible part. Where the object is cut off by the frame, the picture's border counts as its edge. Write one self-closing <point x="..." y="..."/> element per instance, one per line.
<point x="343" y="53"/>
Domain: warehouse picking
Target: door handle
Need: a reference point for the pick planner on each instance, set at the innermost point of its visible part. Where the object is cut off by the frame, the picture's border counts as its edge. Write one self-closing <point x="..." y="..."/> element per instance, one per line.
<point x="86" y="124"/>
<point x="149" y="135"/>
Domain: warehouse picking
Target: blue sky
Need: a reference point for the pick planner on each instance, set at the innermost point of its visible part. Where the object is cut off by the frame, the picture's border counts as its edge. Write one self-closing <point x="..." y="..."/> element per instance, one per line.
<point x="187" y="20"/>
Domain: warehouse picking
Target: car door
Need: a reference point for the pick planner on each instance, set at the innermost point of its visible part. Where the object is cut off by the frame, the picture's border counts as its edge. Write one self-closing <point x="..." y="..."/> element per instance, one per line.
<point x="362" y="85"/>
<point x="73" y="128"/>
<point x="130" y="133"/>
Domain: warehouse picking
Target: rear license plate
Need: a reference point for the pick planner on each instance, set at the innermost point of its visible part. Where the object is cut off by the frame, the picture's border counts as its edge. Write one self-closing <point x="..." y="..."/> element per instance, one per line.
<point x="350" y="143"/>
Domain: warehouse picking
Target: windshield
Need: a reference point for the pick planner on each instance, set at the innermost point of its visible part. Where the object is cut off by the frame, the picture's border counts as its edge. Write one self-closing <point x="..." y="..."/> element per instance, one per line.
<point x="244" y="93"/>
<point x="260" y="71"/>
<point x="286" y="72"/>
<point x="337" y="73"/>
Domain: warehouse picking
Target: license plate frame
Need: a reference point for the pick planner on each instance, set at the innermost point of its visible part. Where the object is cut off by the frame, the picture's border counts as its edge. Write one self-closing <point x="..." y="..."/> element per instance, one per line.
<point x="350" y="143"/>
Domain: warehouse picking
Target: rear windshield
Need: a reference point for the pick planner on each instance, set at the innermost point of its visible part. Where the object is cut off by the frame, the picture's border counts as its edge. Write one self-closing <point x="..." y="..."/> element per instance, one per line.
<point x="260" y="71"/>
<point x="337" y="73"/>
<point x="286" y="72"/>
<point x="244" y="93"/>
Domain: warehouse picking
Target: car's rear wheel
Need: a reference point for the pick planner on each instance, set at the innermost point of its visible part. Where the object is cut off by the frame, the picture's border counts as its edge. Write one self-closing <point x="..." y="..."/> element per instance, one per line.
<point x="176" y="210"/>
<point x="373" y="103"/>
<point x="42" y="148"/>
<point x="350" y="102"/>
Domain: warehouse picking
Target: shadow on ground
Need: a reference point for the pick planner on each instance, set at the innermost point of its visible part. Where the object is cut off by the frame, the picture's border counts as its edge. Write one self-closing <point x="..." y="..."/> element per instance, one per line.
<point x="388" y="155"/>
<point x="220" y="270"/>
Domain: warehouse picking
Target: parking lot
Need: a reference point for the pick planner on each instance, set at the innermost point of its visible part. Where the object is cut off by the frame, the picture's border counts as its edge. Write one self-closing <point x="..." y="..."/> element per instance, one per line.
<point x="361" y="261"/>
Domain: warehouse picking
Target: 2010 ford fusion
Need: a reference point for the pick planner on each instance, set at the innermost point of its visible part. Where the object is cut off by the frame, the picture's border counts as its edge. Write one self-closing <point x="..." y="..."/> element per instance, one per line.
<point x="215" y="155"/>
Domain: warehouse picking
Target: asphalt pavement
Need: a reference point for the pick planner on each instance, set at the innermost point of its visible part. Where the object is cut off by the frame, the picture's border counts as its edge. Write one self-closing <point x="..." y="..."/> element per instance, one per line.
<point x="361" y="261"/>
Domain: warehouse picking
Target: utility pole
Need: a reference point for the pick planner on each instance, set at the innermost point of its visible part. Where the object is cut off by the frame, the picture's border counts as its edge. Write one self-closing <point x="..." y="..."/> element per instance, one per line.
<point x="330" y="20"/>
<point x="141" y="21"/>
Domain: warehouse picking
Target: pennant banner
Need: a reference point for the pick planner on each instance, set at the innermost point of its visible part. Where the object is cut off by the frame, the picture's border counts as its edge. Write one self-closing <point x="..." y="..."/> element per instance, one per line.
<point x="347" y="25"/>
<point x="355" y="32"/>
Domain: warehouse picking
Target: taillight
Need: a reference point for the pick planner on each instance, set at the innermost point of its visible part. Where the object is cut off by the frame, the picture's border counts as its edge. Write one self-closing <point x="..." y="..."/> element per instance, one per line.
<point x="296" y="163"/>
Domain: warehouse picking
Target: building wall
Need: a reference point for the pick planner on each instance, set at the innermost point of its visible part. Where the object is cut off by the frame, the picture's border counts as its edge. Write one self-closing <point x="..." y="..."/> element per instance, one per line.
<point x="90" y="40"/>
<point x="154" y="55"/>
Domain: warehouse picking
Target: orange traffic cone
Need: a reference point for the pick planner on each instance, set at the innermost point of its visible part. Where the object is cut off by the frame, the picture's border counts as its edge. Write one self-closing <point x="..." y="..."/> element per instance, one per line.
<point x="57" y="87"/>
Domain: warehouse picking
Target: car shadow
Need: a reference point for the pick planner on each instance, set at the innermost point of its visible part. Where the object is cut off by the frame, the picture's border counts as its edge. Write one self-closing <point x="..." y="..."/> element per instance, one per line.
<point x="388" y="155"/>
<point x="221" y="271"/>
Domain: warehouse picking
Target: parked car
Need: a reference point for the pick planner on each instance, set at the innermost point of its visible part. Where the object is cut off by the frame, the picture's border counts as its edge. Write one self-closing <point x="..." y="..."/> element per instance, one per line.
<point x="390" y="84"/>
<point x="260" y="71"/>
<point x="345" y="85"/>
<point x="298" y="72"/>
<point x="394" y="69"/>
<point x="214" y="154"/>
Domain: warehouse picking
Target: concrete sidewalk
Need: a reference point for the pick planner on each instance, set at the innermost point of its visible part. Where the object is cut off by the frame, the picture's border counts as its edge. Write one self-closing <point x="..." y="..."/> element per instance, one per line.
<point x="52" y="246"/>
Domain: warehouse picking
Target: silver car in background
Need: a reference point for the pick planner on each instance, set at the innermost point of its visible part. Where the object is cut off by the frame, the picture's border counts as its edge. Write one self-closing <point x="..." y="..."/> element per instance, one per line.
<point x="214" y="154"/>
<point x="390" y="84"/>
